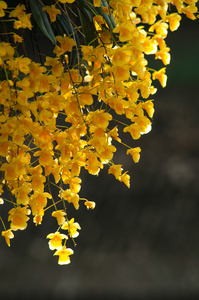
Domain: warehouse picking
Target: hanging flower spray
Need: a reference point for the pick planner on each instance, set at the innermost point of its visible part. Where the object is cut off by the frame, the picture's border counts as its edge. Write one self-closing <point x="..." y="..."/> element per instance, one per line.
<point x="61" y="112"/>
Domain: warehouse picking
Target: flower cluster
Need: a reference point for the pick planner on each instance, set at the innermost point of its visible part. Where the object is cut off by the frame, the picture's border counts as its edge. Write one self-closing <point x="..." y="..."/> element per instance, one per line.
<point x="62" y="114"/>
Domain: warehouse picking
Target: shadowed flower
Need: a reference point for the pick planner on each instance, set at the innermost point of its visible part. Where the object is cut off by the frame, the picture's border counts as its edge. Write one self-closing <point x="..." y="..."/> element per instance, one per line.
<point x="66" y="1"/>
<point x="17" y="38"/>
<point x="24" y="22"/>
<point x="66" y="43"/>
<point x="52" y="11"/>
<point x="3" y="6"/>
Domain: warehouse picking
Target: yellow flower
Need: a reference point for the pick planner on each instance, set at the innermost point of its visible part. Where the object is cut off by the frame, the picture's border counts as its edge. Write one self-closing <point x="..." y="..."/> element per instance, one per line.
<point x="56" y="240"/>
<point x="21" y="193"/>
<point x="105" y="10"/>
<point x="107" y="152"/>
<point x="174" y="21"/>
<point x="116" y="170"/>
<point x="23" y="22"/>
<point x="124" y="7"/>
<point x="189" y="11"/>
<point x="8" y="234"/>
<point x="1" y="201"/>
<point x="114" y="133"/>
<point x="134" y="130"/>
<point x="74" y="184"/>
<point x="17" y="38"/>
<point x="148" y="106"/>
<point x="45" y="157"/>
<point x="118" y="104"/>
<point x="126" y="179"/>
<point x="60" y="216"/>
<point x="86" y="97"/>
<point x="6" y="50"/>
<point x="125" y="30"/>
<point x="87" y="51"/>
<point x="161" y="42"/>
<point x="100" y="118"/>
<point x="97" y="3"/>
<point x="89" y="204"/>
<point x="71" y="227"/>
<point x="135" y="153"/>
<point x="98" y="143"/>
<point x="52" y="11"/>
<point x="66" y="1"/>
<point x="121" y="56"/>
<point x="164" y="56"/>
<point x="41" y="198"/>
<point x="143" y="122"/>
<point x="71" y="197"/>
<point x="18" y="11"/>
<point x="4" y="148"/>
<point x="18" y="217"/>
<point x="75" y="169"/>
<point x="57" y="67"/>
<point x="37" y="182"/>
<point x="121" y="73"/>
<point x="93" y="165"/>
<point x="37" y="219"/>
<point x="64" y="253"/>
<point x="98" y="20"/>
<point x="160" y="75"/>
<point x="160" y="28"/>
<point x="44" y="83"/>
<point x="21" y="64"/>
<point x="150" y="46"/>
<point x="10" y="171"/>
<point x="3" y="5"/>
<point x="36" y="71"/>
<point x="66" y="43"/>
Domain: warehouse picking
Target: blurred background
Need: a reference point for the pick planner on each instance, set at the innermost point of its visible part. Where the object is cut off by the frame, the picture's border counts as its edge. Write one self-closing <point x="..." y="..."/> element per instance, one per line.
<point x="138" y="243"/>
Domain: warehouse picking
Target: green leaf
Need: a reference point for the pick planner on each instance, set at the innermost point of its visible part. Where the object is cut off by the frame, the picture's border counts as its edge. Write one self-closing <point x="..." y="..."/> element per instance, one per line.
<point x="98" y="11"/>
<point x="41" y="19"/>
<point x="88" y="6"/>
<point x="68" y="29"/>
<point x="109" y="19"/>
<point x="88" y="29"/>
<point x="89" y="11"/>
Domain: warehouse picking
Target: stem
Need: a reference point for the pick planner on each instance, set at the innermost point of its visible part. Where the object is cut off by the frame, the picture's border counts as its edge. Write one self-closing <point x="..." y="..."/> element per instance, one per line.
<point x="3" y="223"/>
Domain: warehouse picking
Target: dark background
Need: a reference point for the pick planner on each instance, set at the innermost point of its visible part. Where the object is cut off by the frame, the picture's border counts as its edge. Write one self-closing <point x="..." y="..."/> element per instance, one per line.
<point x="138" y="243"/>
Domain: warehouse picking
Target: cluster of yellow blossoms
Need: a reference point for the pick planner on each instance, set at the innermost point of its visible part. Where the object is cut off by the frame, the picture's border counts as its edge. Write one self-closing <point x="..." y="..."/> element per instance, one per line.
<point x="57" y="118"/>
